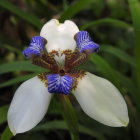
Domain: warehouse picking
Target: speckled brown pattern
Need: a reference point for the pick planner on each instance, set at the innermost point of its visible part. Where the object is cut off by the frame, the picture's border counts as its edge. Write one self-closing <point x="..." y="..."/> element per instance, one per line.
<point x="72" y="60"/>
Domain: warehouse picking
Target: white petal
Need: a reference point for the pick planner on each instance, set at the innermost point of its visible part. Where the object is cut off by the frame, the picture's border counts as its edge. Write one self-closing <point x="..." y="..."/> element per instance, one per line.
<point x="101" y="100"/>
<point x="28" y="106"/>
<point x="59" y="36"/>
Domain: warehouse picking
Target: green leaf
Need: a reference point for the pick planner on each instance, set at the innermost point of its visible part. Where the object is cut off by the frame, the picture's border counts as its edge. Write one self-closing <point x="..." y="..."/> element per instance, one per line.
<point x="107" y="21"/>
<point x="116" y="78"/>
<point x="135" y="12"/>
<point x="63" y="126"/>
<point x="17" y="80"/>
<point x="118" y="53"/>
<point x="106" y="69"/>
<point x="74" y="9"/>
<point x="90" y="132"/>
<point x="6" y="135"/>
<point x="65" y="4"/>
<point x="24" y="15"/>
<point x="3" y="113"/>
<point x="19" y="66"/>
<point x="11" y="48"/>
<point x="111" y="74"/>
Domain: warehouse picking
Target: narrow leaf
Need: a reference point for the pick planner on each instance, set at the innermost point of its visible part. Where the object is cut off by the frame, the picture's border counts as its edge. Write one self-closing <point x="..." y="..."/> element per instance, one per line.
<point x="111" y="74"/>
<point x="74" y="9"/>
<point x="107" y="21"/>
<point x="33" y="20"/>
<point x="116" y="78"/>
<point x="119" y="53"/>
<point x="3" y="113"/>
<point x="106" y="69"/>
<point x="17" y="80"/>
<point x="63" y="126"/>
<point x="135" y="12"/>
<point x="19" y="66"/>
<point x="11" y="48"/>
<point x="6" y="135"/>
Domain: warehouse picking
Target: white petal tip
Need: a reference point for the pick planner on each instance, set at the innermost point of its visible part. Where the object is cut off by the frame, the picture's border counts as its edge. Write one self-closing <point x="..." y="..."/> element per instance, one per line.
<point x="14" y="133"/>
<point x="55" y="21"/>
<point x="125" y="124"/>
<point x="120" y="122"/>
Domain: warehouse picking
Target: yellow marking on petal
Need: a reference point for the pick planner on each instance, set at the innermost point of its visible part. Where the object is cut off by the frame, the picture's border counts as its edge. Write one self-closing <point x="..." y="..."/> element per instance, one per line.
<point x="124" y="123"/>
<point x="77" y="75"/>
<point x="56" y="21"/>
<point x="43" y="78"/>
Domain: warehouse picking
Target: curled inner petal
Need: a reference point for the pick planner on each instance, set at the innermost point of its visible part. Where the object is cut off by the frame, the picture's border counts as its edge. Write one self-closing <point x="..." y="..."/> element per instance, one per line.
<point x="85" y="43"/>
<point x="35" y="47"/>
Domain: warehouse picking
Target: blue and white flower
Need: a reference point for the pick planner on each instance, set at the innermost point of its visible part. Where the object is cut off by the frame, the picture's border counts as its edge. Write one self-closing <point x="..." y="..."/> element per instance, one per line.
<point x="61" y="48"/>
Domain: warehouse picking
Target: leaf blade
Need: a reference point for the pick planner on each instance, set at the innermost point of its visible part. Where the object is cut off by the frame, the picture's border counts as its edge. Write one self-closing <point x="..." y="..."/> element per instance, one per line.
<point x="74" y="9"/>
<point x="17" y="80"/>
<point x="19" y="66"/>
<point x="33" y="20"/>
<point x="107" y="21"/>
<point x="3" y="113"/>
<point x="6" y="135"/>
<point x="62" y="125"/>
<point x="116" y="78"/>
<point x="135" y="12"/>
<point x="119" y="53"/>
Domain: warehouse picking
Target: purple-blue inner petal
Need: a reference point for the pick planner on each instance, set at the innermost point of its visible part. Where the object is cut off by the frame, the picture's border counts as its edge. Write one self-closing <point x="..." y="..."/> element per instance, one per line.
<point x="59" y="84"/>
<point x="35" y="47"/>
<point x="84" y="42"/>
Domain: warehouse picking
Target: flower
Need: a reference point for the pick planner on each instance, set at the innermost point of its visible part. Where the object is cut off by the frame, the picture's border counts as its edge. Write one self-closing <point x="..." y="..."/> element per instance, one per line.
<point x="61" y="48"/>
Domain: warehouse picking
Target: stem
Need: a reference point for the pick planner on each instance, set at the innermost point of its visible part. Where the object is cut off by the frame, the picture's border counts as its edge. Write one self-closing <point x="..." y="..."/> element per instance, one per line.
<point x="74" y="136"/>
<point x="70" y="117"/>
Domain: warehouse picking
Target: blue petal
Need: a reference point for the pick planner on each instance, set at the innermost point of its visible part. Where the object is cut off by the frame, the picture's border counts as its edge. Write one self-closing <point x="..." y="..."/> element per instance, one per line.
<point x="59" y="84"/>
<point x="29" y="52"/>
<point x="84" y="42"/>
<point x="35" y="47"/>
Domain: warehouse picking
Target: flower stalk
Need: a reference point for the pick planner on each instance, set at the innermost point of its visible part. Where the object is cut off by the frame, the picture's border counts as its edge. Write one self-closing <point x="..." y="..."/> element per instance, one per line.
<point x="70" y="117"/>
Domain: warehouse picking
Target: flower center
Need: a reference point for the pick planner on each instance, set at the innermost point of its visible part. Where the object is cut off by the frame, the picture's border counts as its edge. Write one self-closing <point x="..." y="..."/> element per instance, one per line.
<point x="60" y="59"/>
<point x="62" y="72"/>
<point x="62" y="76"/>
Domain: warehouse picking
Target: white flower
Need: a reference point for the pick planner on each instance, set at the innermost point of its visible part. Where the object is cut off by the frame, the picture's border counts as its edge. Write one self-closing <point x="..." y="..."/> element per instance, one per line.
<point x="98" y="98"/>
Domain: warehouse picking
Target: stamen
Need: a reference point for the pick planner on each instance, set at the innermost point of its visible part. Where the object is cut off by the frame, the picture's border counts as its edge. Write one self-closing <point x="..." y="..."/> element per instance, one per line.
<point x="60" y="59"/>
<point x="46" y="61"/>
<point x="79" y="60"/>
<point x="74" y="59"/>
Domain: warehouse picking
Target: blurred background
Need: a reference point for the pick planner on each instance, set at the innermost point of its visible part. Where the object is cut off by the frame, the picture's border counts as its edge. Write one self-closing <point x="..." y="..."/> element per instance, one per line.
<point x="114" y="24"/>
